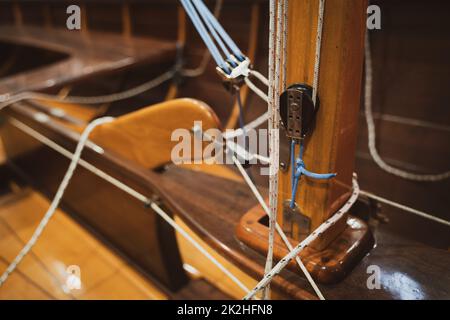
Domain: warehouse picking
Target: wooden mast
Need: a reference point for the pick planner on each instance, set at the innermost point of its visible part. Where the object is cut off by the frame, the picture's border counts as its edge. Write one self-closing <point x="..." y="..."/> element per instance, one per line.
<point x="330" y="146"/>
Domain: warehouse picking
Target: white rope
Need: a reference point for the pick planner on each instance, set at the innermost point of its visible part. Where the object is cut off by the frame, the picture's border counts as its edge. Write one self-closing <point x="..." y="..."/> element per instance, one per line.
<point x="372" y="134"/>
<point x="277" y="227"/>
<point x="272" y="126"/>
<point x="285" y="37"/>
<point x="230" y="134"/>
<point x="293" y="253"/>
<point x="273" y="107"/>
<point x="132" y="192"/>
<point x="405" y="208"/>
<point x="318" y="49"/>
<point x="258" y="75"/>
<point x="198" y="71"/>
<point x="274" y="86"/>
<point x="256" y="90"/>
<point x="66" y="153"/>
<point x="54" y="205"/>
<point x="7" y="100"/>
<point x="263" y="204"/>
<point x="245" y="154"/>
<point x="199" y="247"/>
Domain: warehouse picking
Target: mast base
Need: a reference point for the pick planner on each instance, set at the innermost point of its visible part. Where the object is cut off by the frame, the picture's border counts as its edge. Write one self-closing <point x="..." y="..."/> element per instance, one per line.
<point x="327" y="265"/>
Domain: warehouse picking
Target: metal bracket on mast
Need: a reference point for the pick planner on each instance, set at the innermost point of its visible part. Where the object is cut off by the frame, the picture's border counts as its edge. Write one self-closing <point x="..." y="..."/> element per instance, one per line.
<point x="293" y="217"/>
<point x="297" y="112"/>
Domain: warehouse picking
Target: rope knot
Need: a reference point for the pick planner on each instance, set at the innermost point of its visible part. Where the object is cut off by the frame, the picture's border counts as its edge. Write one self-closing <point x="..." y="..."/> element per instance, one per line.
<point x="299" y="169"/>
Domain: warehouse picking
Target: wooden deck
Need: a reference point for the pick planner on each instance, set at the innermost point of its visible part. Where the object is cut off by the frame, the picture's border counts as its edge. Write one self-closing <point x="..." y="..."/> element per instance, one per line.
<point x="42" y="274"/>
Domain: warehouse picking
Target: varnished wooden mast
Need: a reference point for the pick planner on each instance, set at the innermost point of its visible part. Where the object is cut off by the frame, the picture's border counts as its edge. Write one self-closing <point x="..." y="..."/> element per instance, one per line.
<point x="331" y="145"/>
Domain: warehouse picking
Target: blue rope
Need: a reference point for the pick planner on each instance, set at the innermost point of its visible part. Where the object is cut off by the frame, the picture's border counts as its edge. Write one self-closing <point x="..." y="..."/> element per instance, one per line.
<point x="241" y="111"/>
<point x="293" y="143"/>
<point x="205" y="36"/>
<point x="212" y="19"/>
<point x="299" y="169"/>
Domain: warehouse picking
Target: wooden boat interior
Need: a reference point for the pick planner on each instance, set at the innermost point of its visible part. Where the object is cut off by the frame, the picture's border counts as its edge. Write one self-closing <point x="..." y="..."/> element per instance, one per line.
<point x="123" y="248"/>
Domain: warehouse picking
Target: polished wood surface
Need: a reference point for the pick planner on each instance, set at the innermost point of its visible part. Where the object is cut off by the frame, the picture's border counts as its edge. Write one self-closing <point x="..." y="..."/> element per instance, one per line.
<point x="331" y="145"/>
<point x="397" y="257"/>
<point x="194" y="196"/>
<point x="140" y="137"/>
<point x="144" y="239"/>
<point x="2" y="153"/>
<point x="208" y="270"/>
<point x="329" y="265"/>
<point x="210" y="206"/>
<point x="142" y="227"/>
<point x="412" y="119"/>
<point x="87" y="55"/>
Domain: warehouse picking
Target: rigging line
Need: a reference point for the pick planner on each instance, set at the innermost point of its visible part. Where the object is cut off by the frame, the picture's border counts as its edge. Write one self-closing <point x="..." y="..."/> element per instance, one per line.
<point x="199" y="247"/>
<point x="251" y="52"/>
<point x="230" y="134"/>
<point x="146" y="86"/>
<point x="272" y="143"/>
<point x="241" y="110"/>
<point x="231" y="44"/>
<point x="405" y="208"/>
<point x="256" y="90"/>
<point x="204" y="35"/>
<point x="55" y="203"/>
<point x="195" y="72"/>
<point x="371" y="133"/>
<point x="318" y="49"/>
<point x="255" y="123"/>
<point x="285" y="35"/>
<point x="263" y="204"/>
<point x="243" y="153"/>
<point x="278" y="228"/>
<point x="274" y="139"/>
<point x="54" y="278"/>
<point x="259" y="76"/>
<point x="306" y="242"/>
<point x="132" y="192"/>
<point x="210" y="27"/>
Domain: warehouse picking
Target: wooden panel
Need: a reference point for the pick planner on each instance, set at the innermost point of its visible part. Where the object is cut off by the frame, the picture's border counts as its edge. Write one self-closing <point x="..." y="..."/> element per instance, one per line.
<point x="410" y="102"/>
